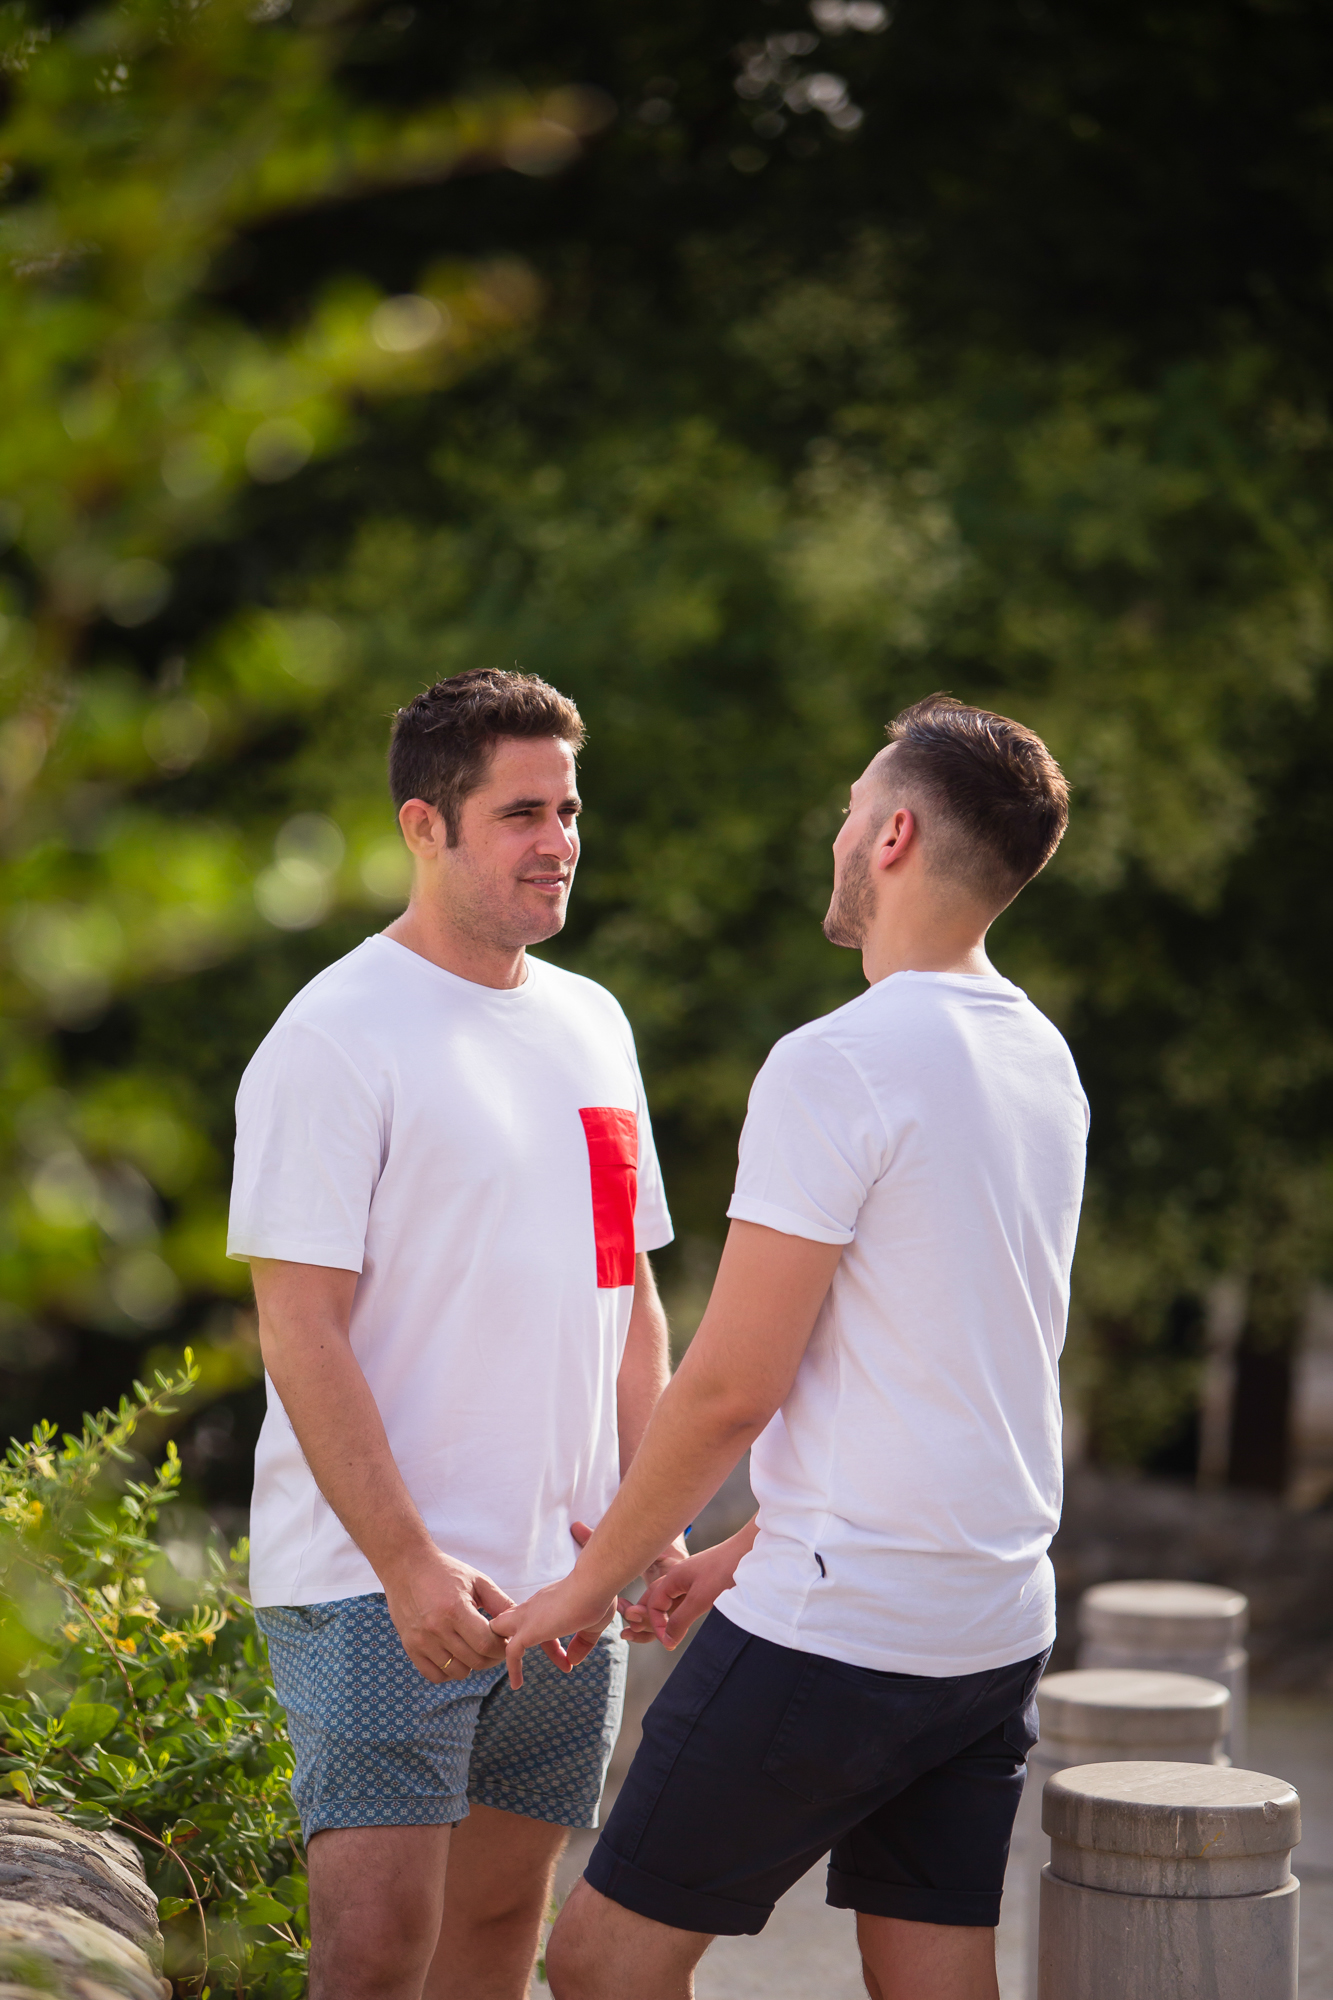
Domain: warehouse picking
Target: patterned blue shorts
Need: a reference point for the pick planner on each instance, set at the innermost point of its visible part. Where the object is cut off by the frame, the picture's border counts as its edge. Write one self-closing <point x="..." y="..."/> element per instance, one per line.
<point x="378" y="1745"/>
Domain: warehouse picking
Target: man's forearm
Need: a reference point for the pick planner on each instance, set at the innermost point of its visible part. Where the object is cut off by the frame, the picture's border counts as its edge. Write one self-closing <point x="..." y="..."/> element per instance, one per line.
<point x="341" y="1432"/>
<point x="688" y="1449"/>
<point x="739" y="1369"/>
<point x="337" y="1422"/>
<point x="439" y="1605"/>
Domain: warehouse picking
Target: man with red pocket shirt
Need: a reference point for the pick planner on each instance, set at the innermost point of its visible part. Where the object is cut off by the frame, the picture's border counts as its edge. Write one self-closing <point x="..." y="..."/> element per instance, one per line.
<point x="446" y="1188"/>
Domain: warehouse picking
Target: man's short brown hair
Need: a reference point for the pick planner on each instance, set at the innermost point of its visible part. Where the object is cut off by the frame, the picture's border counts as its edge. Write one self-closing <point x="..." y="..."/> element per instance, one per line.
<point x="443" y="739"/>
<point x="992" y="801"/>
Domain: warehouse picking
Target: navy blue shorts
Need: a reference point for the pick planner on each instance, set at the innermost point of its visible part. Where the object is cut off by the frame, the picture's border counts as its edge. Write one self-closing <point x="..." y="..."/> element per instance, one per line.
<point x="757" y="1760"/>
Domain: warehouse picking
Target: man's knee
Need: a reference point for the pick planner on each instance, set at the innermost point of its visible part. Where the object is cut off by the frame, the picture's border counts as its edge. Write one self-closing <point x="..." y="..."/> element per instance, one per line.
<point x="375" y="1917"/>
<point x="599" y="1951"/>
<point x="575" y="1952"/>
<point x="567" y="1955"/>
<point x="380" y="1959"/>
<point x="500" y="1873"/>
<point x="380" y="1949"/>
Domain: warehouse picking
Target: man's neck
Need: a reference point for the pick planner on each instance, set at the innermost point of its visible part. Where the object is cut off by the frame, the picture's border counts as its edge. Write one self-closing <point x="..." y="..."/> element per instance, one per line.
<point x="964" y="952"/>
<point x="431" y="936"/>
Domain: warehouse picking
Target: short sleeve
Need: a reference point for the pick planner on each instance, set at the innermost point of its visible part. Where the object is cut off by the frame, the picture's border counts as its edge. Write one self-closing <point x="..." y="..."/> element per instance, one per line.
<point x="310" y="1144"/>
<point x="653" y="1228"/>
<point x="813" y="1144"/>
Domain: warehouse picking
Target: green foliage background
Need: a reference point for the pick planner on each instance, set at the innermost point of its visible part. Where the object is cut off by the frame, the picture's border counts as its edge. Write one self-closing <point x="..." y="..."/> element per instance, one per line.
<point x="749" y="371"/>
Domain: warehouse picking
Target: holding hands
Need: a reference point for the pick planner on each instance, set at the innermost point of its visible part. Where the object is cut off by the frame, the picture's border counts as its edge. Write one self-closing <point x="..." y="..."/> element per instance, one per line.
<point x="577" y="1605"/>
<point x="680" y="1589"/>
<point x="687" y="1590"/>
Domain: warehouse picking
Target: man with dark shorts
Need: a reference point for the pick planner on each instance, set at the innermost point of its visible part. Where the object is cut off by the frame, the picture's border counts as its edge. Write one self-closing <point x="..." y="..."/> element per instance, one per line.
<point x="446" y="1188"/>
<point x="886" y="1326"/>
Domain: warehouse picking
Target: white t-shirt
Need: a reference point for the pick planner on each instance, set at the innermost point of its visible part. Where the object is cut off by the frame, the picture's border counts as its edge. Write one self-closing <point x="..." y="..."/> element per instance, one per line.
<point x="910" y="1483"/>
<point x="484" y="1159"/>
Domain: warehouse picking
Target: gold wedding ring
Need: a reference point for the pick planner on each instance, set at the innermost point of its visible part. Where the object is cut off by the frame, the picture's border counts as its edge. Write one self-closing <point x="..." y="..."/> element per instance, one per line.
<point x="448" y="1663"/>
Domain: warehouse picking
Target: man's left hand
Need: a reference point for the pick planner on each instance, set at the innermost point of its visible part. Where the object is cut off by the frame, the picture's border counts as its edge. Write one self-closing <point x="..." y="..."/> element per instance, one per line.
<point x="542" y="1620"/>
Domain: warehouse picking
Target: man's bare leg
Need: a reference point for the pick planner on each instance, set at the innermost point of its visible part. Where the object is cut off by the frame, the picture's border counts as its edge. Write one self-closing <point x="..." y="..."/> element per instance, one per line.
<point x="599" y="1951"/>
<point x="909" y="1961"/>
<point x="496" y="1894"/>
<point x="376" y="1897"/>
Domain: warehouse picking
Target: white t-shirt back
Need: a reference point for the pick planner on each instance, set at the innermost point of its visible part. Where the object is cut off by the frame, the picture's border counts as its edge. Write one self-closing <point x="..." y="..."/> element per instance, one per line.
<point x="910" y="1484"/>
<point x="484" y="1160"/>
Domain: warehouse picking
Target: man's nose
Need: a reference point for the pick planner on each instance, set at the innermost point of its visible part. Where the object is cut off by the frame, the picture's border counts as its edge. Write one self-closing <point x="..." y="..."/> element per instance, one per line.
<point x="559" y="840"/>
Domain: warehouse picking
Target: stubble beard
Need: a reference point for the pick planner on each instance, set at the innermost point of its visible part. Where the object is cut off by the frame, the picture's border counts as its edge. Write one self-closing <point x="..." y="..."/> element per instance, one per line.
<point x="852" y="907"/>
<point x="498" y="923"/>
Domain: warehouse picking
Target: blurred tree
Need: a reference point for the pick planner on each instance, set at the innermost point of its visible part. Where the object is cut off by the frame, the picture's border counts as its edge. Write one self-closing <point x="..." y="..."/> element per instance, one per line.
<point x="139" y="144"/>
<point x="873" y="355"/>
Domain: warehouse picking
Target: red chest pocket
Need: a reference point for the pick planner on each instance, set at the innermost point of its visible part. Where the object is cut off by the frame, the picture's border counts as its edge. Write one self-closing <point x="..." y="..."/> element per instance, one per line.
<point x="613" y="1157"/>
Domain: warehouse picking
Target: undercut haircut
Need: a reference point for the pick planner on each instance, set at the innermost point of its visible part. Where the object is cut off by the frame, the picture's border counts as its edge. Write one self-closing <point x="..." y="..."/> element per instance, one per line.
<point x="443" y="739"/>
<point x="992" y="802"/>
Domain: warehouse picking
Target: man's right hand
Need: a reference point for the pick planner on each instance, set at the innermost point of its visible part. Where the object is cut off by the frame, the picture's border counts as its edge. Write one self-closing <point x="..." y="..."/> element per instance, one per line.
<point x="441" y="1610"/>
<point x="688" y="1589"/>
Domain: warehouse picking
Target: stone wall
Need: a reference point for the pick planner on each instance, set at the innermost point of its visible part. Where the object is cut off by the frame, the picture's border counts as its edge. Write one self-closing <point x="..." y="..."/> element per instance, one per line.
<point x="77" y="1919"/>
<point x="1283" y="1560"/>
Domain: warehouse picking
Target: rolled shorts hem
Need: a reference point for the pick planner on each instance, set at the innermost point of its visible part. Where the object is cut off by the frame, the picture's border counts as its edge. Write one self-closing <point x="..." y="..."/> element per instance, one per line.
<point x="669" y="1903"/>
<point x="424" y="1809"/>
<point x="580" y="1817"/>
<point x="977" y="1909"/>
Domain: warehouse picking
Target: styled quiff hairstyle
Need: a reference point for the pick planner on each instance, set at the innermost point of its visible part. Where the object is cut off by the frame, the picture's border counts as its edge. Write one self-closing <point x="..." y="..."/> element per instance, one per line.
<point x="443" y="739"/>
<point x="992" y="801"/>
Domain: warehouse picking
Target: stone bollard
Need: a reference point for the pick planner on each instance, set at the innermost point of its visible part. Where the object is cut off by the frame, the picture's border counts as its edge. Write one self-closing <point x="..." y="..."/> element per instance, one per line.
<point x="1101" y="1717"/>
<point x="77" y="1917"/>
<point x="1180" y="1628"/>
<point x="1169" y="1880"/>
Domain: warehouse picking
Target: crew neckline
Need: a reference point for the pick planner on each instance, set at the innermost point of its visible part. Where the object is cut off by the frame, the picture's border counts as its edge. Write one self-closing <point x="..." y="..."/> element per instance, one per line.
<point x="969" y="982"/>
<point x="508" y="996"/>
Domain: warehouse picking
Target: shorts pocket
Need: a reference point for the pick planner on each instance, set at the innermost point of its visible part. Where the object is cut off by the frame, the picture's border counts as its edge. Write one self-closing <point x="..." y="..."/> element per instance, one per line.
<point x="1020" y="1731"/>
<point x="846" y="1729"/>
<point x="291" y="1624"/>
<point x="318" y="1617"/>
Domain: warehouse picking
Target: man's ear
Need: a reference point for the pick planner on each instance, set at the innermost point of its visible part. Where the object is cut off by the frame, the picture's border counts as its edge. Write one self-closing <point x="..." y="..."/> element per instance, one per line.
<point x="896" y="837"/>
<point x="423" y="828"/>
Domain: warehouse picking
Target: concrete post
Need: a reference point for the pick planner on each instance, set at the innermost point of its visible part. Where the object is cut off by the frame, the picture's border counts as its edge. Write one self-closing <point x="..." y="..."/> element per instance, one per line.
<point x="1101" y="1717"/>
<point x="1169" y="1879"/>
<point x="1179" y="1628"/>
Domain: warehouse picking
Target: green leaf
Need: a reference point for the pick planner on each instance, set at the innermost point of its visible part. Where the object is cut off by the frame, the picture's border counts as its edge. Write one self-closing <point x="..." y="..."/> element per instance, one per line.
<point x="263" y="1909"/>
<point x="171" y="1906"/>
<point x="88" y="1722"/>
<point x="116" y="1770"/>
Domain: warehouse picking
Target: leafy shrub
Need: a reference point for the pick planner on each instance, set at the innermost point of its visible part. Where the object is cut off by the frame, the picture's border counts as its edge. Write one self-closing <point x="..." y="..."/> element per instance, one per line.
<point x="135" y="1697"/>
